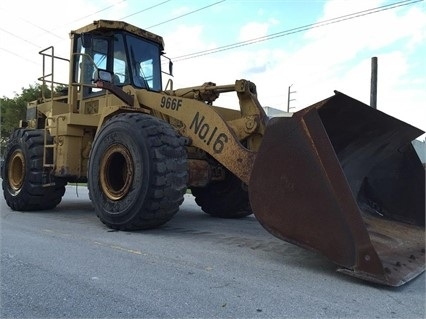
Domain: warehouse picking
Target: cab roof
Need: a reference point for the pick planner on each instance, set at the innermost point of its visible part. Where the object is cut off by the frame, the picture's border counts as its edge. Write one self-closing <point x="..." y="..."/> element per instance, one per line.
<point x="120" y="25"/>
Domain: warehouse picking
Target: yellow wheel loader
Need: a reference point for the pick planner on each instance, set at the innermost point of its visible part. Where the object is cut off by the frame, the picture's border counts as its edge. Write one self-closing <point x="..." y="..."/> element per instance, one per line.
<point x="337" y="177"/>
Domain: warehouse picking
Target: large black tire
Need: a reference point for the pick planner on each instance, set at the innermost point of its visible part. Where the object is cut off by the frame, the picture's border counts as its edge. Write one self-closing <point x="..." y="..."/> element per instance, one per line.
<point x="137" y="173"/>
<point x="24" y="178"/>
<point x="224" y="199"/>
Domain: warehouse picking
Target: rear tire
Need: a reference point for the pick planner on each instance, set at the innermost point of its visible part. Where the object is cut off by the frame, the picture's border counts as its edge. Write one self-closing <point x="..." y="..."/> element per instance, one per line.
<point x="224" y="199"/>
<point x="137" y="172"/>
<point x="24" y="176"/>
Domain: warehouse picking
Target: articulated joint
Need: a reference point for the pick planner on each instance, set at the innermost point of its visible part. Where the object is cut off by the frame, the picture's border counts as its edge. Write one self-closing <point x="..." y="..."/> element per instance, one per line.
<point x="251" y="123"/>
<point x="245" y="126"/>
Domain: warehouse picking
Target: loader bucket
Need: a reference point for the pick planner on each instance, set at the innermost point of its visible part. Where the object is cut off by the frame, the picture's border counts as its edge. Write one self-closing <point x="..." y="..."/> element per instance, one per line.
<point x="343" y="179"/>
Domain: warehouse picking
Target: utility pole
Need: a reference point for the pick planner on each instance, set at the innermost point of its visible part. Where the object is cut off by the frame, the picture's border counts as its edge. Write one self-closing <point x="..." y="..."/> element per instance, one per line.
<point x="289" y="99"/>
<point x="373" y="87"/>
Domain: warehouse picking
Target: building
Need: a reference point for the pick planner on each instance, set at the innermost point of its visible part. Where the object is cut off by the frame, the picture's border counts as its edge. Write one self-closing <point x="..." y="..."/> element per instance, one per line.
<point x="420" y="147"/>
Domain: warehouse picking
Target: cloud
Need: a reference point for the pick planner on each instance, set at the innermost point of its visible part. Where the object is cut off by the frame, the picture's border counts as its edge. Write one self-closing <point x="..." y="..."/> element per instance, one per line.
<point x="253" y="30"/>
<point x="186" y="39"/>
<point x="315" y="62"/>
<point x="337" y="56"/>
<point x="24" y="33"/>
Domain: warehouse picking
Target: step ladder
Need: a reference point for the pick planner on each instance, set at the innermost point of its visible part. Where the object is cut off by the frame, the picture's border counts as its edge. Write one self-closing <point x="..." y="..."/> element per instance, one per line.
<point x="50" y="166"/>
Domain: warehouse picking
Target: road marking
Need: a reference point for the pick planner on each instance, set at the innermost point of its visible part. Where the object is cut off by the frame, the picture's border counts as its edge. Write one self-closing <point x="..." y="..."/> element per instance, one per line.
<point x="54" y="232"/>
<point x="116" y="247"/>
<point x="131" y="251"/>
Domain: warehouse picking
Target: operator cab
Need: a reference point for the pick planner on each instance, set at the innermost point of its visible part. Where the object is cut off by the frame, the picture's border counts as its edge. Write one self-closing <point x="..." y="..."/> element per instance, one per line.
<point x="131" y="55"/>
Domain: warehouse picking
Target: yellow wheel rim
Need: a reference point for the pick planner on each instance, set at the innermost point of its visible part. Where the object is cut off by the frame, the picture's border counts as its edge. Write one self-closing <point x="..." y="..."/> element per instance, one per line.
<point x="116" y="172"/>
<point x="16" y="170"/>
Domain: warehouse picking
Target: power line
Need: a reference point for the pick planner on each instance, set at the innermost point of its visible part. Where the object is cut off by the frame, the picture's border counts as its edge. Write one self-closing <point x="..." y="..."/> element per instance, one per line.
<point x="104" y="9"/>
<point x="183" y="15"/>
<point x="17" y="55"/>
<point x="146" y="9"/>
<point x="101" y="10"/>
<point x="45" y="30"/>
<point x="86" y="16"/>
<point x="68" y="23"/>
<point x="296" y="30"/>
<point x="54" y="28"/>
<point x="243" y="43"/>
<point x="20" y="38"/>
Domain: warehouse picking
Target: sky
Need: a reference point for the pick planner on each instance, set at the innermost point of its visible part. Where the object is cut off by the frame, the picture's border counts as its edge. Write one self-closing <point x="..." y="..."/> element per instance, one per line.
<point x="310" y="47"/>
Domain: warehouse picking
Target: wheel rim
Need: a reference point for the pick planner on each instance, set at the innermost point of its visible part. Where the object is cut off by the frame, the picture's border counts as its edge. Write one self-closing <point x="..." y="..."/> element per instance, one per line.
<point x="16" y="170"/>
<point x="116" y="172"/>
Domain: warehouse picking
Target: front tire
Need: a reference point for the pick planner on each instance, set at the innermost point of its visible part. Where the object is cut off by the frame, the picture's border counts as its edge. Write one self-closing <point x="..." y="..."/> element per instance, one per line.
<point x="137" y="172"/>
<point x="26" y="184"/>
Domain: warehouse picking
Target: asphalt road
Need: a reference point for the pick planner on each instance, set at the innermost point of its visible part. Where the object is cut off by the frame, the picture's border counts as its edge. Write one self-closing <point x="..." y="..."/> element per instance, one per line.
<point x="65" y="264"/>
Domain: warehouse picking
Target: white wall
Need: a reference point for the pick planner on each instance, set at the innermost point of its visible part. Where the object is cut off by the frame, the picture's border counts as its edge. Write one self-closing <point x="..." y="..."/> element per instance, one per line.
<point x="420" y="147"/>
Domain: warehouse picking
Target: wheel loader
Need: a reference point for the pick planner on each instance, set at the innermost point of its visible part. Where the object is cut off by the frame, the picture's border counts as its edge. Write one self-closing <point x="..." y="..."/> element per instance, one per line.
<point x="337" y="177"/>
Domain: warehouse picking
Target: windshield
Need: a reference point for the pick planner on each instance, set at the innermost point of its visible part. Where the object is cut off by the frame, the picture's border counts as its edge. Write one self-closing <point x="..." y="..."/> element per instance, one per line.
<point x="131" y="60"/>
<point x="144" y="59"/>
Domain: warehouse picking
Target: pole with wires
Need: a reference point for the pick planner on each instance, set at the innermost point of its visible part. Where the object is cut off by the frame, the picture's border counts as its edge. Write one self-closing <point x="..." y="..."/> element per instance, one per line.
<point x="373" y="87"/>
<point x="288" y="98"/>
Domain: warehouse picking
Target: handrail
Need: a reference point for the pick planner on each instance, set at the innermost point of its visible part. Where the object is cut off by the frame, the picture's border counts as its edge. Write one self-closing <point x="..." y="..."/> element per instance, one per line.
<point x="48" y="78"/>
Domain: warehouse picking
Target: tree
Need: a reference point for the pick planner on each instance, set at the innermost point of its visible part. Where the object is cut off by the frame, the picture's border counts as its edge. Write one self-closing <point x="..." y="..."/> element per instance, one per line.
<point x="14" y="109"/>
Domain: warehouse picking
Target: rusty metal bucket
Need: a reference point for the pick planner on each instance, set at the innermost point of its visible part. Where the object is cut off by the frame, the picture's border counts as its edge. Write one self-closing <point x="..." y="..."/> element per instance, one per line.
<point x="343" y="179"/>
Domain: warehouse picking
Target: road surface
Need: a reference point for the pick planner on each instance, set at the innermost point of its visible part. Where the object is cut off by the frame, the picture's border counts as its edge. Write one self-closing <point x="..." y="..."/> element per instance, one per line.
<point x="65" y="263"/>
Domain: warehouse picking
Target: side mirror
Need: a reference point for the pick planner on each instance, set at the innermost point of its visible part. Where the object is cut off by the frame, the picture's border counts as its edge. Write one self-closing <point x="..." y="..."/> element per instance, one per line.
<point x="171" y="67"/>
<point x="170" y="64"/>
<point x="102" y="75"/>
